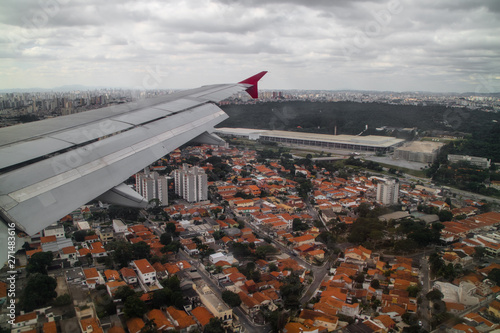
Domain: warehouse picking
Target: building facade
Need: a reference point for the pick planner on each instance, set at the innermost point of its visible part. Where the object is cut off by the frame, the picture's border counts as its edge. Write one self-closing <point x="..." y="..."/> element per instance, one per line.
<point x="388" y="192"/>
<point x="191" y="183"/>
<point x="152" y="186"/>
<point x="481" y="162"/>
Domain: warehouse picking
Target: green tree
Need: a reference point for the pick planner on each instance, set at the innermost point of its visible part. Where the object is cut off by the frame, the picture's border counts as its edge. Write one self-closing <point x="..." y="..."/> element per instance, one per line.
<point x="141" y="250"/>
<point x="215" y="325"/>
<point x="172" y="247"/>
<point x="79" y="235"/>
<point x="166" y="238"/>
<point x="123" y="293"/>
<point x="149" y="326"/>
<point x="445" y="215"/>
<point x="160" y="298"/>
<point x="240" y="250"/>
<point x="494" y="275"/>
<point x="479" y="252"/>
<point x="290" y="292"/>
<point x="62" y="300"/>
<point x="360" y="278"/>
<point x="231" y="299"/>
<point x="170" y="228"/>
<point x="436" y="263"/>
<point x="277" y="320"/>
<point x="264" y="251"/>
<point x="327" y="238"/>
<point x="413" y="290"/>
<point x="134" y="307"/>
<point x="39" y="290"/>
<point x="123" y="253"/>
<point x="39" y="262"/>
<point x="375" y="283"/>
<point x="405" y="245"/>
<point x="298" y="225"/>
<point x="434" y="295"/>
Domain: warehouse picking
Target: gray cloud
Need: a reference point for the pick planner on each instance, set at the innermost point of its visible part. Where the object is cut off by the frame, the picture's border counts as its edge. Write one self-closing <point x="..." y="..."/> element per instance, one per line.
<point x="322" y="44"/>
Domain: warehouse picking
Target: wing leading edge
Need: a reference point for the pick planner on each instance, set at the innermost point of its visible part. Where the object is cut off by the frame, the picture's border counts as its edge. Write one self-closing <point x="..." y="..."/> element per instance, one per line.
<point x="90" y="154"/>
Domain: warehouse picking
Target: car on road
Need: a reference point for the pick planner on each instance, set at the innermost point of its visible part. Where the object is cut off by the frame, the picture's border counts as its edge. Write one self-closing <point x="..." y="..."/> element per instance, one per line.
<point x="420" y="323"/>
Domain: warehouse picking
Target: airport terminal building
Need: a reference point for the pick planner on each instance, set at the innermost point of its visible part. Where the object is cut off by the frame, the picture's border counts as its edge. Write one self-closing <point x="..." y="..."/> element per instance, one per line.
<point x="372" y="143"/>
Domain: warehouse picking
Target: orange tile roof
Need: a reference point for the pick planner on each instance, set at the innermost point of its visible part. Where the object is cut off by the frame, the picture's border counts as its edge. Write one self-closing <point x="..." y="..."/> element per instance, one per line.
<point x="202" y="315"/>
<point x="25" y="317"/>
<point x="48" y="239"/>
<point x="182" y="318"/>
<point x="465" y="328"/>
<point x="83" y="252"/>
<point x="222" y="263"/>
<point x="30" y="253"/>
<point x="454" y="306"/>
<point x="144" y="266"/>
<point x="479" y="319"/>
<point x="135" y="325"/>
<point x="96" y="327"/>
<point x="68" y="250"/>
<point x="271" y="293"/>
<point x="146" y="297"/>
<point x="50" y="327"/>
<point x="160" y="319"/>
<point x="393" y="308"/>
<point x="128" y="272"/>
<point x="91" y="273"/>
<point x="111" y="274"/>
<point x="97" y="247"/>
<point x="230" y="270"/>
<point x="3" y="289"/>
<point x="91" y="237"/>
<point x="386" y="321"/>
<point x="113" y="285"/>
<point x="171" y="268"/>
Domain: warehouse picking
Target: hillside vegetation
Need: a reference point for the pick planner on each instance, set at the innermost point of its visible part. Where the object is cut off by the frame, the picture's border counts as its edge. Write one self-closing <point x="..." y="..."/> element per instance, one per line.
<point x="351" y="117"/>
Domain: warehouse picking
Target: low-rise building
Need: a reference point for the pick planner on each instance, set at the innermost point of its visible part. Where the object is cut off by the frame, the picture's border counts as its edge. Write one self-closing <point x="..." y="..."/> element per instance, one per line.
<point x="216" y="306"/>
<point x="145" y="271"/>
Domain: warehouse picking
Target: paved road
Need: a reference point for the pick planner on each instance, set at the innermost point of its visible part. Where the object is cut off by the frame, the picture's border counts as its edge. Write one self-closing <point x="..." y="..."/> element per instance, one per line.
<point x="319" y="272"/>
<point x="246" y="324"/>
<point x="319" y="275"/>
<point x="424" y="307"/>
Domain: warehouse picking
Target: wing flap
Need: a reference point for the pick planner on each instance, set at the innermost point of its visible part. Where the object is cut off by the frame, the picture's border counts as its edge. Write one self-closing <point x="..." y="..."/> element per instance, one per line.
<point x="29" y="150"/>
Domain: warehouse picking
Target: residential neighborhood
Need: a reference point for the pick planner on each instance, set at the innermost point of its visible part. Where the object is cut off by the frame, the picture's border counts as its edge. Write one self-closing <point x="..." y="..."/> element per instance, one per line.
<point x="276" y="244"/>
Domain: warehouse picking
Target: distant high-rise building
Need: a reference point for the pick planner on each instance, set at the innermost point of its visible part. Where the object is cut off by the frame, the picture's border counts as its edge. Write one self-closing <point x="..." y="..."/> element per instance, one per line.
<point x="191" y="183"/>
<point x="152" y="186"/>
<point x="388" y="192"/>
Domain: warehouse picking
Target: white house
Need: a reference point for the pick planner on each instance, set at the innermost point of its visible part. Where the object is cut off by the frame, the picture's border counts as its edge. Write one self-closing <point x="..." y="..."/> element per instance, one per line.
<point x="145" y="271"/>
<point x="219" y="256"/>
<point x="119" y="226"/>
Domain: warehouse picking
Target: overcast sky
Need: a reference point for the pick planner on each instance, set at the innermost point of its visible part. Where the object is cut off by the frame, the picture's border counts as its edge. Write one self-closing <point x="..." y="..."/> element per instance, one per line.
<point x="398" y="45"/>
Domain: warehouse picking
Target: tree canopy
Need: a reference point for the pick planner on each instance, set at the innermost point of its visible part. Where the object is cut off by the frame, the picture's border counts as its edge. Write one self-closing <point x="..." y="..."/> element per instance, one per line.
<point x="39" y="290"/>
<point x="134" y="307"/>
<point x="39" y="262"/>
<point x="214" y="326"/>
<point x="231" y="299"/>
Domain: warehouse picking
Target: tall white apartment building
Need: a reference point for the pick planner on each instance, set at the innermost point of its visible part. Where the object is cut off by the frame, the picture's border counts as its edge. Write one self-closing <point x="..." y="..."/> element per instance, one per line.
<point x="191" y="183"/>
<point x="388" y="192"/>
<point x="152" y="186"/>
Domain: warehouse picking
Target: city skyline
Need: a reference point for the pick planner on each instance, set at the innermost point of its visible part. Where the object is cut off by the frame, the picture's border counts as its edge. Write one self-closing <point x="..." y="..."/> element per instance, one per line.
<point x="397" y="45"/>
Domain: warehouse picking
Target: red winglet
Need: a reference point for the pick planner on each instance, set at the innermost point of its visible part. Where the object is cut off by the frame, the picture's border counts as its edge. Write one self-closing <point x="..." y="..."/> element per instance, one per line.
<point x="253" y="90"/>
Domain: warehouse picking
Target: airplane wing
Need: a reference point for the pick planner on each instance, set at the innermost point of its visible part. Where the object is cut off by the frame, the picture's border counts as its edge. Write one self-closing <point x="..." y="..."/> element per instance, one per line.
<point x="49" y="168"/>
